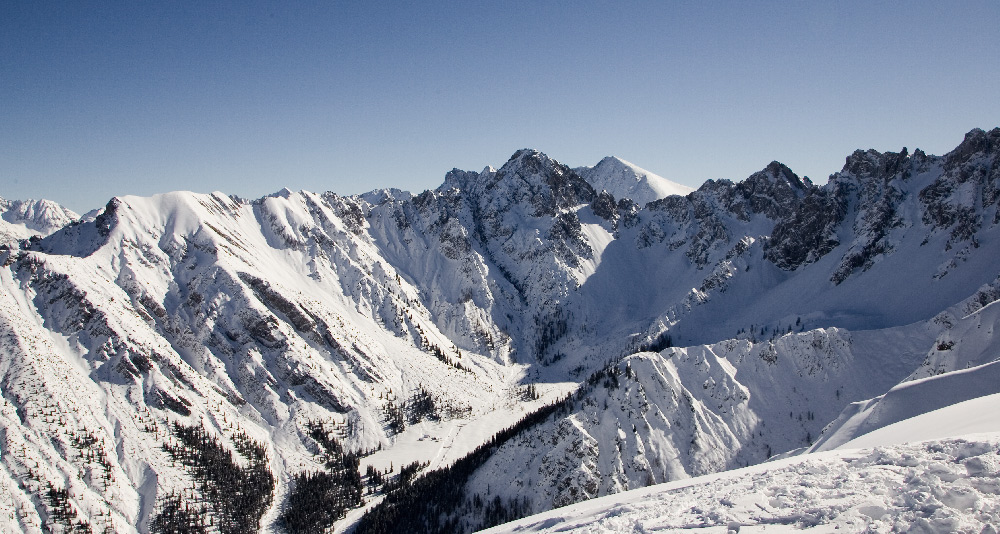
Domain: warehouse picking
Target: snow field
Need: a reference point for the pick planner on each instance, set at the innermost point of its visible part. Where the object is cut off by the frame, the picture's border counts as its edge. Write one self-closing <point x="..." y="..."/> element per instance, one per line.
<point x="944" y="486"/>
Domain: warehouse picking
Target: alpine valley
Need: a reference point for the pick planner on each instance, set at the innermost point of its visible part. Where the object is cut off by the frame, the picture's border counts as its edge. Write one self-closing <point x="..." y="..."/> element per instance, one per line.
<point x="516" y="340"/>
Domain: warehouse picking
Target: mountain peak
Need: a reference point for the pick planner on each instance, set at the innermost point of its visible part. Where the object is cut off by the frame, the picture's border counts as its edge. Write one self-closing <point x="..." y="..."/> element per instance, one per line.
<point x="617" y="162"/>
<point x="624" y="179"/>
<point x="872" y="164"/>
<point x="20" y="219"/>
<point x="976" y="142"/>
<point x="777" y="172"/>
<point x="532" y="161"/>
<point x="533" y="176"/>
<point x="525" y="153"/>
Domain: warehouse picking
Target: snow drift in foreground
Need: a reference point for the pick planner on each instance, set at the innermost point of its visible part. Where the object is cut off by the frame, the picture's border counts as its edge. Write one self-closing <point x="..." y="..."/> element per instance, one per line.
<point x="941" y="485"/>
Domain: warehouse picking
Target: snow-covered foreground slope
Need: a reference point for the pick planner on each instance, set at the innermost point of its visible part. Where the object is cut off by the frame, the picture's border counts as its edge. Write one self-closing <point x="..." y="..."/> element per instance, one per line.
<point x="963" y="363"/>
<point x="262" y="364"/>
<point x="941" y="486"/>
<point x="937" y="472"/>
<point x="910" y="399"/>
<point x="935" y="466"/>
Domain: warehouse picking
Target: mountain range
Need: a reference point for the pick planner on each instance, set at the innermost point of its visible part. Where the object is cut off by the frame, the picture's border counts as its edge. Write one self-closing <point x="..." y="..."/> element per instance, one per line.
<point x="515" y="340"/>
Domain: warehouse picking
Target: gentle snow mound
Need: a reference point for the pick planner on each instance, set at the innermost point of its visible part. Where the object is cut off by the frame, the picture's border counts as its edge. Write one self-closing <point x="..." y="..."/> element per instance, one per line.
<point x="969" y="417"/>
<point x="910" y="400"/>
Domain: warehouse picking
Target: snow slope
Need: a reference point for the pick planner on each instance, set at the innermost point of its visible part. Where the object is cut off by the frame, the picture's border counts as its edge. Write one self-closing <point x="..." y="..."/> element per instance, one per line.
<point x="935" y="472"/>
<point x="974" y="416"/>
<point x="691" y="411"/>
<point x="963" y="363"/>
<point x="929" y="458"/>
<point x="910" y="399"/>
<point x="260" y="318"/>
<point x="942" y="486"/>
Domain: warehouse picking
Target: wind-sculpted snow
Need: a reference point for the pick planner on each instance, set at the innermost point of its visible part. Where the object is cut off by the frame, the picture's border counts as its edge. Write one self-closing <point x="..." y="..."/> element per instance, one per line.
<point x="908" y="400"/>
<point x="963" y="363"/>
<point x="944" y="486"/>
<point x="969" y="337"/>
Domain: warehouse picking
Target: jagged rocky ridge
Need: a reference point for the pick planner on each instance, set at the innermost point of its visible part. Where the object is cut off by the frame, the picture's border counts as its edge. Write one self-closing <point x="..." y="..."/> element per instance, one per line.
<point x="252" y="322"/>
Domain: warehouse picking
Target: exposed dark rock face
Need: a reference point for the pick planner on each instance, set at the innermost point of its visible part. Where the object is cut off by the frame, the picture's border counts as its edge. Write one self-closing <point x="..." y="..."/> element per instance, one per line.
<point x="703" y="219"/>
<point x="550" y="186"/>
<point x="567" y="238"/>
<point x="969" y="185"/>
<point x="513" y="222"/>
<point x="348" y="210"/>
<point x="107" y="219"/>
<point x="869" y="194"/>
<point x="773" y="192"/>
<point x="621" y="214"/>
<point x="871" y="187"/>
<point x="628" y="212"/>
<point x="808" y="233"/>
<point x="604" y="206"/>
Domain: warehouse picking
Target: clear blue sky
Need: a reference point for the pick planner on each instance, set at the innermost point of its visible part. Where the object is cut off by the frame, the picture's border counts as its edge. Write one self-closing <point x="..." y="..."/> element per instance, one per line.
<point x="99" y="99"/>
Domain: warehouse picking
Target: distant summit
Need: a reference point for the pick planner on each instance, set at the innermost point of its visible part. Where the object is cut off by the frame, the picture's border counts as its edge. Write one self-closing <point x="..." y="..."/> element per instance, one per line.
<point x="626" y="180"/>
<point x="21" y="219"/>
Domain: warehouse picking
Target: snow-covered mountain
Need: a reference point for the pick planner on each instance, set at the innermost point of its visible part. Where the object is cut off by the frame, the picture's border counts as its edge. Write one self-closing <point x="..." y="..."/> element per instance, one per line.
<point x="190" y="359"/>
<point x="22" y="219"/>
<point x="922" y="457"/>
<point x="693" y="411"/>
<point x="626" y="180"/>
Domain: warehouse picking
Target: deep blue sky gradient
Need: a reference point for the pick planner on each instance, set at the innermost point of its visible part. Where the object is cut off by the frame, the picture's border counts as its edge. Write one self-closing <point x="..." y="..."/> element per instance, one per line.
<point x="99" y="99"/>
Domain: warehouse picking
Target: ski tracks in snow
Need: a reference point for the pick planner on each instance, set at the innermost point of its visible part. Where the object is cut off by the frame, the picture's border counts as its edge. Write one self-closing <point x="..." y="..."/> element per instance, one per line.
<point x="441" y="458"/>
